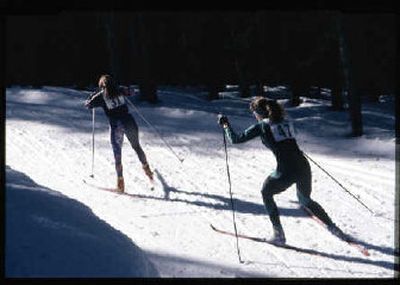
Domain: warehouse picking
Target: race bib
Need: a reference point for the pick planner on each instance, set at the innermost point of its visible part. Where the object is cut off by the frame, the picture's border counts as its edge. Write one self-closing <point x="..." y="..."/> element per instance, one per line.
<point x="115" y="102"/>
<point x="282" y="131"/>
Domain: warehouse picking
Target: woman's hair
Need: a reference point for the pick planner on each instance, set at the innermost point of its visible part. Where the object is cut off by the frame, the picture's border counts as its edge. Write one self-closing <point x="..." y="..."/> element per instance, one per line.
<point x="108" y="83"/>
<point x="268" y="109"/>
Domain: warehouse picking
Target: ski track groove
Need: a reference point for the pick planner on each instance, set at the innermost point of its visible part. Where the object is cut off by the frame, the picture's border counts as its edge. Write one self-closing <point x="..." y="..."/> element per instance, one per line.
<point x="353" y="178"/>
<point x="30" y="144"/>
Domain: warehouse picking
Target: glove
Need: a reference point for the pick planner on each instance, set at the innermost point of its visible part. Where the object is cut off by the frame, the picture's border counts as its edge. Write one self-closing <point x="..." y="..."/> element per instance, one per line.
<point x="90" y="102"/>
<point x="87" y="104"/>
<point x="223" y="120"/>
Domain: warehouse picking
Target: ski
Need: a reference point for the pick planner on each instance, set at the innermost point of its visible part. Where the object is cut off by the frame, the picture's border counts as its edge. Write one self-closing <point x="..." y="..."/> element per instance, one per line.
<point x="93" y="185"/>
<point x="264" y="240"/>
<point x="151" y="183"/>
<point x="349" y="240"/>
<point x="108" y="189"/>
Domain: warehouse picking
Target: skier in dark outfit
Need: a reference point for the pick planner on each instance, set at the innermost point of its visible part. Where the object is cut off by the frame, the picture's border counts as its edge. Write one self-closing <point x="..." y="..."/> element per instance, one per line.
<point x="277" y="133"/>
<point x="112" y="99"/>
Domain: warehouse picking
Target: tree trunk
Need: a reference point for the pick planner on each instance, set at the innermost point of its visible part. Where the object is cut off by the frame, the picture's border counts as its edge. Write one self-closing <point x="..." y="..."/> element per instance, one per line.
<point x="337" y="99"/>
<point x="295" y="96"/>
<point x="108" y="21"/>
<point x="148" y="91"/>
<point x="244" y="89"/>
<point x="373" y="95"/>
<point x="355" y="113"/>
<point x="259" y="89"/>
<point x="353" y="93"/>
<point x="148" y="88"/>
<point x="213" y="91"/>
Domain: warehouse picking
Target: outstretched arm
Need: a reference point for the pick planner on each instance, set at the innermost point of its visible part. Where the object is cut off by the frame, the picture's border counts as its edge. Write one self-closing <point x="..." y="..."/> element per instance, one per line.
<point x="95" y="100"/>
<point x="248" y="134"/>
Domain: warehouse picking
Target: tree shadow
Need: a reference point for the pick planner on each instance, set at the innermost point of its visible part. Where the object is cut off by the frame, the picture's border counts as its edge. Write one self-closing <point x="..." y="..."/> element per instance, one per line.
<point x="68" y="111"/>
<point x="55" y="114"/>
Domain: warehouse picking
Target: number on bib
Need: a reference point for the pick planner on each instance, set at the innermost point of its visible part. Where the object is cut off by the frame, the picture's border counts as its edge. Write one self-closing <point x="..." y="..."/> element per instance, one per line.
<point x="282" y="131"/>
<point x="115" y="102"/>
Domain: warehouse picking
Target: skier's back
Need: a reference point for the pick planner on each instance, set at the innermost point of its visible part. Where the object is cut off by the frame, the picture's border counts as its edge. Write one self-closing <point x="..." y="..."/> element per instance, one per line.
<point x="112" y="99"/>
<point x="277" y="133"/>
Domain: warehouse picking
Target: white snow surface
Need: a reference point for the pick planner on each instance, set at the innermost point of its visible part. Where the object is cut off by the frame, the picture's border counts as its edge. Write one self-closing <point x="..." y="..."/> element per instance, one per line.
<point x="58" y="226"/>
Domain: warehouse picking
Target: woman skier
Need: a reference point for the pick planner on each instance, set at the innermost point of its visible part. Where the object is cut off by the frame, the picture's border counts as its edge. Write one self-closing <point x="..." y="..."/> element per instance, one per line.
<point x="277" y="134"/>
<point x="111" y="98"/>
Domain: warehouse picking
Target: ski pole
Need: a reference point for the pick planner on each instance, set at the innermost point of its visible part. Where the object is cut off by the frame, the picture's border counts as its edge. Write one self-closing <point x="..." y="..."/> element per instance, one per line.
<point x="355" y="197"/>
<point x="230" y="193"/>
<point x="93" y="117"/>
<point x="93" y="94"/>
<point x="154" y="128"/>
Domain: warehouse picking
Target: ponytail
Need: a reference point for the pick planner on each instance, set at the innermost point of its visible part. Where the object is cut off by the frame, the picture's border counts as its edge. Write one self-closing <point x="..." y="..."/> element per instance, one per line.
<point x="277" y="113"/>
<point x="267" y="109"/>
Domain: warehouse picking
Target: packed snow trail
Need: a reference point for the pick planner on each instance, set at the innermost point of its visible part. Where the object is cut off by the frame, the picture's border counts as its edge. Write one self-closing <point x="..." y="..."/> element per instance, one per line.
<point x="48" y="138"/>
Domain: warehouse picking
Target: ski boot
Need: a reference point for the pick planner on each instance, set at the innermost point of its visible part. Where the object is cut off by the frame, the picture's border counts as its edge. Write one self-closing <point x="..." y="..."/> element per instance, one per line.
<point x="278" y="237"/>
<point x="120" y="184"/>
<point x="148" y="172"/>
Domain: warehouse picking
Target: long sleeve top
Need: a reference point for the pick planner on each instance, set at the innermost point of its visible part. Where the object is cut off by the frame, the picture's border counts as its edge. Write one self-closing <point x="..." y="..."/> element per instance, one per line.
<point x="113" y="107"/>
<point x="278" y="137"/>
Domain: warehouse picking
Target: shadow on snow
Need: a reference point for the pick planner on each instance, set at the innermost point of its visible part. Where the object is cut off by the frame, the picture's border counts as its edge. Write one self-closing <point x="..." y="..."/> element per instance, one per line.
<point x="50" y="235"/>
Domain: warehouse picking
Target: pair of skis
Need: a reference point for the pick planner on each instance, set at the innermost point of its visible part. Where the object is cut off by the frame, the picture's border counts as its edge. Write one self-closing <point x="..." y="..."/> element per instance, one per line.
<point x="348" y="240"/>
<point x="264" y="240"/>
<point x="93" y="184"/>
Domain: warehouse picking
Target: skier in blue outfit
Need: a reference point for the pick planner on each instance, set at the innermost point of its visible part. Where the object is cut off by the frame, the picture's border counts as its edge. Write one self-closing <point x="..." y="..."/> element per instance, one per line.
<point x="277" y="133"/>
<point x="111" y="98"/>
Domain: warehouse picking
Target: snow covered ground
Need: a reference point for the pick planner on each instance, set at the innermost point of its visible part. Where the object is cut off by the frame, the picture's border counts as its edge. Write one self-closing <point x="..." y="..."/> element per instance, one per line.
<point x="56" y="225"/>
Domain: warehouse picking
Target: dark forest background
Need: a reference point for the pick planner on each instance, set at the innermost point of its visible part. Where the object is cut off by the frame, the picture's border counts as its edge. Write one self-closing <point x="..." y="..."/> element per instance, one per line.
<point x="352" y="54"/>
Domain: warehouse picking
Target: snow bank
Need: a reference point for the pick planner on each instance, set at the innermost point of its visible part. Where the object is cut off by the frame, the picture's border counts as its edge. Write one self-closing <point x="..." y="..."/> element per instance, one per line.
<point x="50" y="235"/>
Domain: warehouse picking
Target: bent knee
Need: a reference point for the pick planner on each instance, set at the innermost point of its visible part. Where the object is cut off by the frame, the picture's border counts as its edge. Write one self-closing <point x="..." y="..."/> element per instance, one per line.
<point x="271" y="187"/>
<point x="267" y="192"/>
